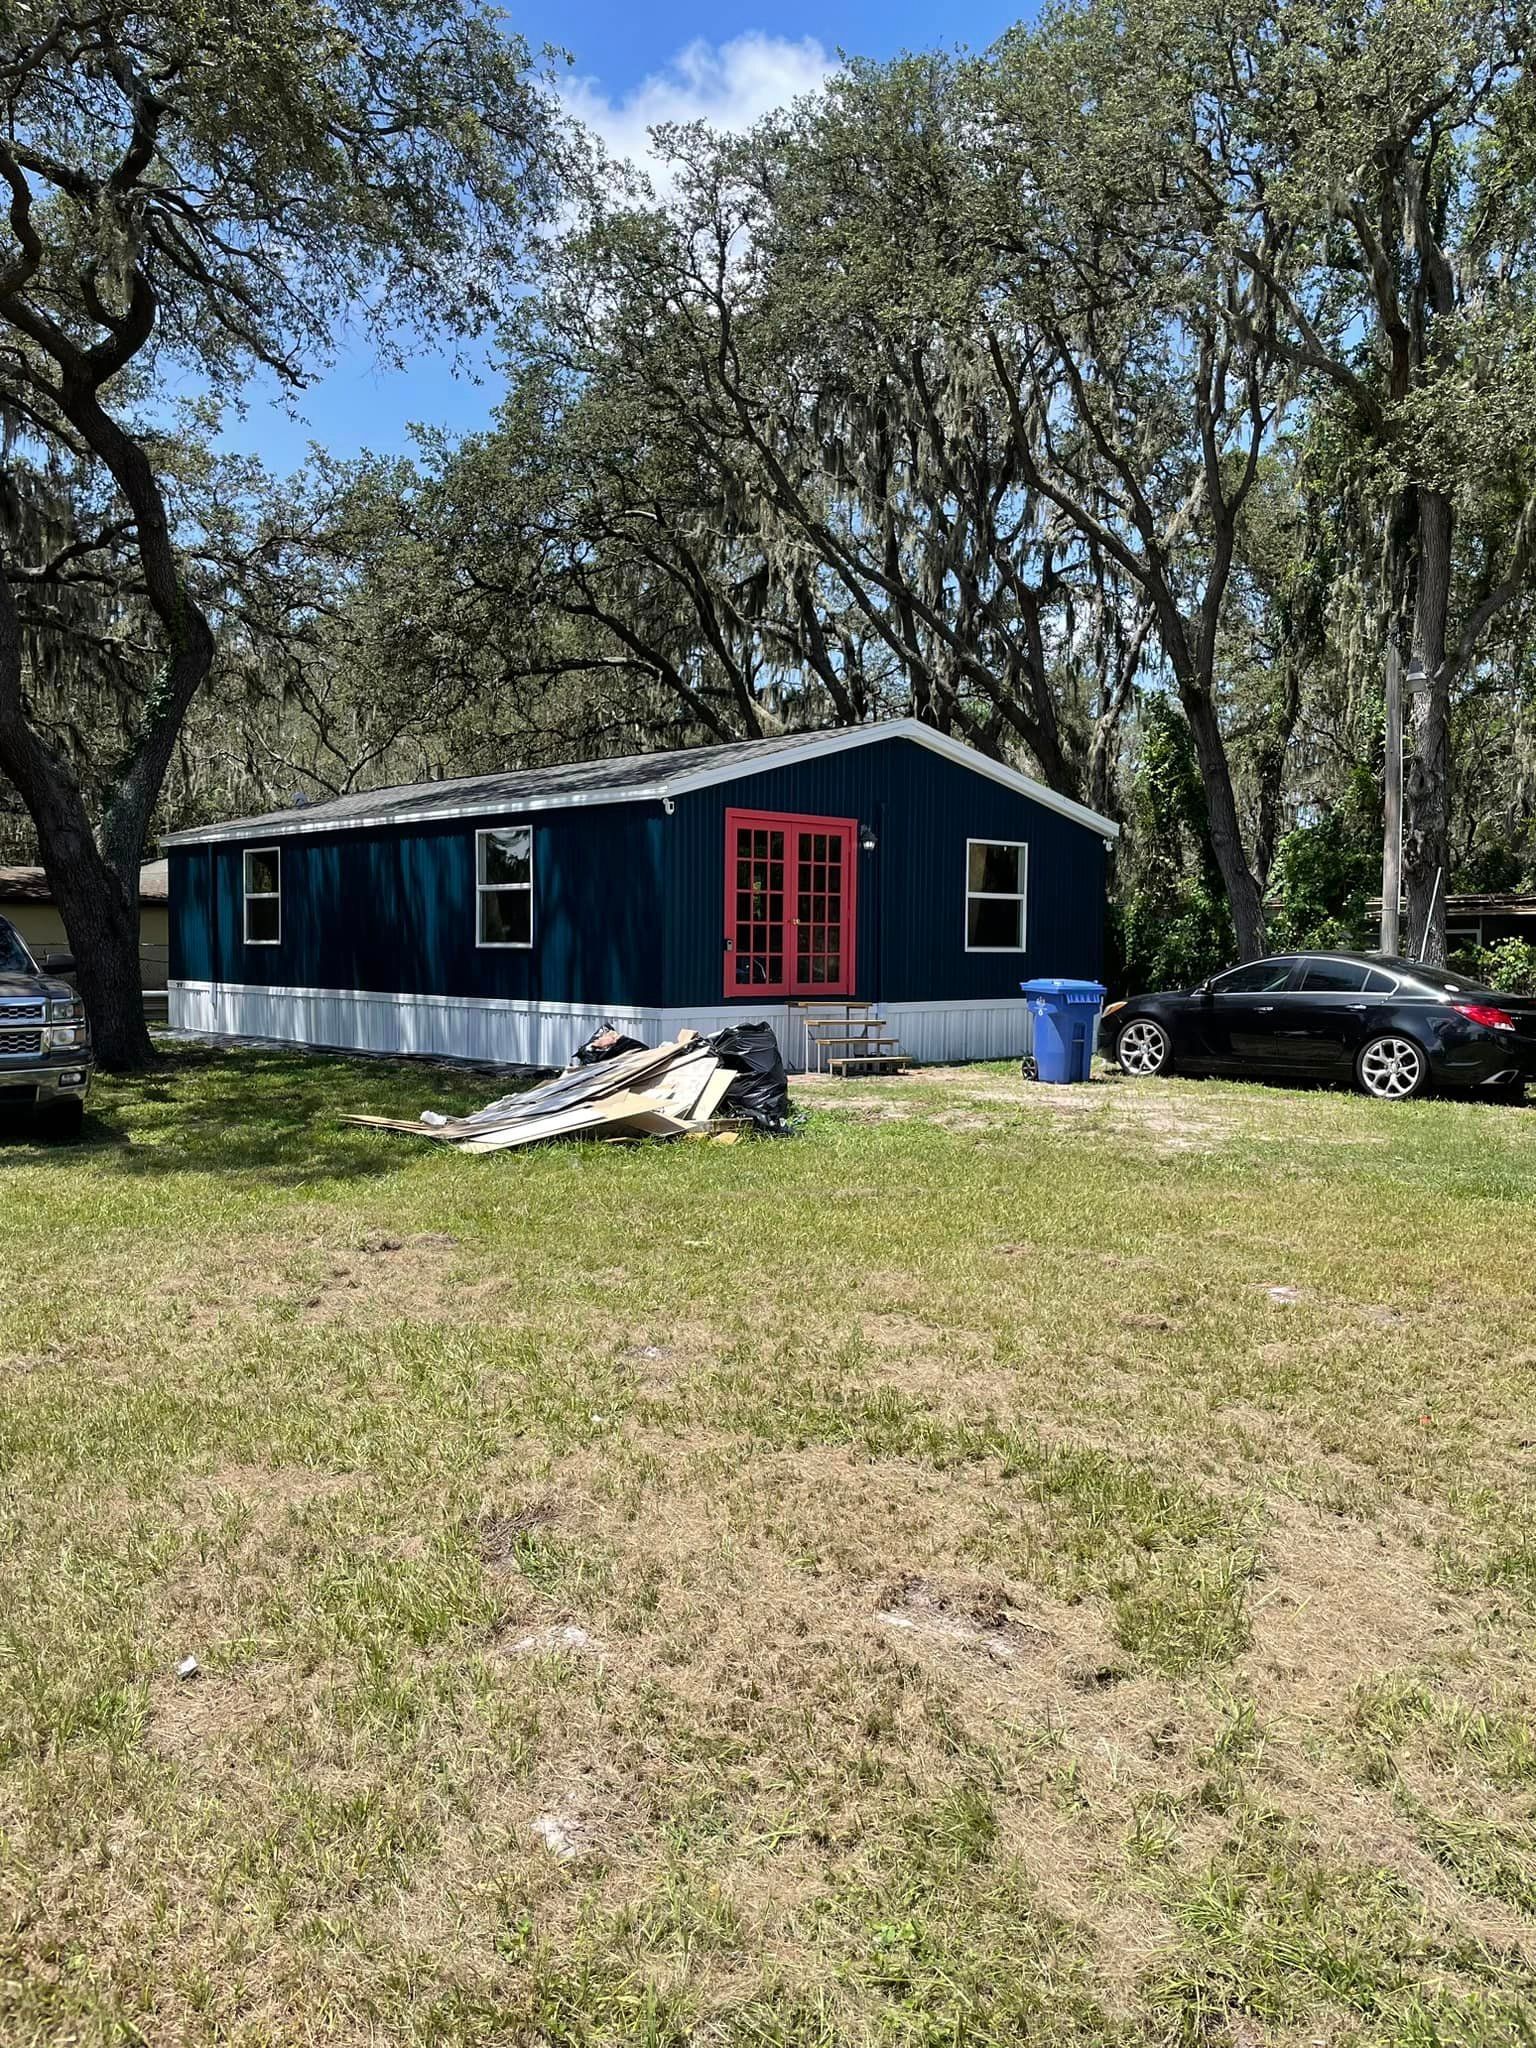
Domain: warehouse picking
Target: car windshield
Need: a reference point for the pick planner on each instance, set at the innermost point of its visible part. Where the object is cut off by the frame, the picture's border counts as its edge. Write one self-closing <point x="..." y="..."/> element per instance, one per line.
<point x="14" y="957"/>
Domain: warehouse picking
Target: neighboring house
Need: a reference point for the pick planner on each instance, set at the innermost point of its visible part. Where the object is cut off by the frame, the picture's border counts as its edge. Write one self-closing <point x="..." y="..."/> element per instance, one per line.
<point x="1472" y="921"/>
<point x="26" y="901"/>
<point x="504" y="917"/>
<point x="1484" y="920"/>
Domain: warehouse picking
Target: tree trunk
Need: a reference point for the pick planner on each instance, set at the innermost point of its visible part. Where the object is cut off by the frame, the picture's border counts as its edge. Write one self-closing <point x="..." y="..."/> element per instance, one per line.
<point x="102" y="919"/>
<point x="1426" y="792"/>
<point x="1269" y="767"/>
<point x="1243" y="896"/>
<point x="100" y="912"/>
<point x="1392" y="803"/>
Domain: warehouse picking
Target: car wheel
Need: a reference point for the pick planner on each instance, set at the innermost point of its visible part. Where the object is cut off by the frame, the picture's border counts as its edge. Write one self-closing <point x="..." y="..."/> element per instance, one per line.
<point x="65" y="1119"/>
<point x="1143" y="1048"/>
<point x="1392" y="1068"/>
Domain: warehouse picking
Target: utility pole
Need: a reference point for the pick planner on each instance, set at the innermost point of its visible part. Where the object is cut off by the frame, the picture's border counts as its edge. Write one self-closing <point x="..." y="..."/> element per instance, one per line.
<point x="1414" y="683"/>
<point x="1392" y="831"/>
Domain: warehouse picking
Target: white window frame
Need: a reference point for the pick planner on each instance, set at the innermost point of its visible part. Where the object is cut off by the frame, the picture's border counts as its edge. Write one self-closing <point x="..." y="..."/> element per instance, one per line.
<point x="249" y="895"/>
<point x="1019" y="895"/>
<point x="482" y="889"/>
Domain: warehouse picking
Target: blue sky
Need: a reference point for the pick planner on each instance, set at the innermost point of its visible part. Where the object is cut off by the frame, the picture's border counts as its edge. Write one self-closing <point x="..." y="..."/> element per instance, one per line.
<point x="729" y="61"/>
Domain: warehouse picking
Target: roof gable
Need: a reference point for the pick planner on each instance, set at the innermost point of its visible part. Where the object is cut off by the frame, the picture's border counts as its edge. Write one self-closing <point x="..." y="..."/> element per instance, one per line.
<point x="630" y="779"/>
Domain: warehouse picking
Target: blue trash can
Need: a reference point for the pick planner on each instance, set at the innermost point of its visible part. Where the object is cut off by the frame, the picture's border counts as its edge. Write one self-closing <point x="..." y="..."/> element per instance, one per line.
<point x="1066" y="1015"/>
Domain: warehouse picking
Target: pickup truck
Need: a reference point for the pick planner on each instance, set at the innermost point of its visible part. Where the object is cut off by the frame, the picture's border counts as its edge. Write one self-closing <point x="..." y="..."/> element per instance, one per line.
<point x="45" y="1041"/>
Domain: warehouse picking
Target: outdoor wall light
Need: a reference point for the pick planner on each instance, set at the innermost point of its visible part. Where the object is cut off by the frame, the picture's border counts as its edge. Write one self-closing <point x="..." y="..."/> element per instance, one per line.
<point x="867" y="840"/>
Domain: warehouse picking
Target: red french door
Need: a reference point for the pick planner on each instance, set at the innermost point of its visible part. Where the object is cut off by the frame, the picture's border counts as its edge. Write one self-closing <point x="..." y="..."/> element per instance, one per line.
<point x="789" y="904"/>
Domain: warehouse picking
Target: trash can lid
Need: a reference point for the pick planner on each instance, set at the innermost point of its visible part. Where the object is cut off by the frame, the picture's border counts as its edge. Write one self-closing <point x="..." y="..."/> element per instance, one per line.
<point x="1057" y="987"/>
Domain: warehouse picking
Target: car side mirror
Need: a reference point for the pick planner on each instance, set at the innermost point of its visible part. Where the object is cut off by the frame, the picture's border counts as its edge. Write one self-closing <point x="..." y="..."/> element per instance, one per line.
<point x="1205" y="989"/>
<point x="60" y="963"/>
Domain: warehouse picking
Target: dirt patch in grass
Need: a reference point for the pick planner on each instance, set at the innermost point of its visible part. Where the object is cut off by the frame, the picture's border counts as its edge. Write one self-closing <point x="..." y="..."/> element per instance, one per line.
<point x="272" y="1487"/>
<point x="386" y="1277"/>
<point x="978" y="1618"/>
<point x="1340" y="1601"/>
<point x="211" y="1719"/>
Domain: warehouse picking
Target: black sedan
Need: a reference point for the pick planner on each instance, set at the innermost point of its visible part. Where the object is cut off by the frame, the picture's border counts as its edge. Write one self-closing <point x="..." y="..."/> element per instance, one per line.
<point x="1392" y="1026"/>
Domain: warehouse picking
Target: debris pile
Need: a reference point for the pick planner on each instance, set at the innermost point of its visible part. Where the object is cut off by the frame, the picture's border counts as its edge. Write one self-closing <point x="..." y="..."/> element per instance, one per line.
<point x="691" y="1086"/>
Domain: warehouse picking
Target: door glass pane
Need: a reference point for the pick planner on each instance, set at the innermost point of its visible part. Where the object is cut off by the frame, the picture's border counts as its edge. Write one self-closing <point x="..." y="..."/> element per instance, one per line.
<point x="759" y="858"/>
<point x="819" y="909"/>
<point x="1258" y="977"/>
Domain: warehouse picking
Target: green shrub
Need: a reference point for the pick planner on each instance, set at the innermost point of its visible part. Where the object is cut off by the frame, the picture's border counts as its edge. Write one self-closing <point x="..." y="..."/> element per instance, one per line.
<point x="1509" y="965"/>
<point x="1172" y="926"/>
<point x="1323" y="873"/>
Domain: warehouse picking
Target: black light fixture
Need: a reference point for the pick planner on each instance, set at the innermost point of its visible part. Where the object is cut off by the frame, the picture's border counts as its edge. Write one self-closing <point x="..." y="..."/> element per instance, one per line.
<point x="867" y="840"/>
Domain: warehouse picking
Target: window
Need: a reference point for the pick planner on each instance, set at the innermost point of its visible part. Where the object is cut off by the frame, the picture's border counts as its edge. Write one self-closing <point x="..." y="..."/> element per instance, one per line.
<point x="1417" y="980"/>
<point x="1334" y="977"/>
<point x="504" y="886"/>
<point x="263" y="896"/>
<point x="14" y="957"/>
<point x="1259" y="977"/>
<point x="1379" y="984"/>
<point x="995" y="880"/>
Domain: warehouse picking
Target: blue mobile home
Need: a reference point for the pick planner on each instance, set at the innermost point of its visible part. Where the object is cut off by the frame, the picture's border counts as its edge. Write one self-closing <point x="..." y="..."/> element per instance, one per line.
<point x="504" y="917"/>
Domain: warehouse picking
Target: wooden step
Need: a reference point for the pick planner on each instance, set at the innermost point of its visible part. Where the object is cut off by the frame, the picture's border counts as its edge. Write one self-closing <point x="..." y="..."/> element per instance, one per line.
<point x="841" y="1023"/>
<point x="847" y="1038"/>
<point x="845" y="1004"/>
<point x="889" y="1062"/>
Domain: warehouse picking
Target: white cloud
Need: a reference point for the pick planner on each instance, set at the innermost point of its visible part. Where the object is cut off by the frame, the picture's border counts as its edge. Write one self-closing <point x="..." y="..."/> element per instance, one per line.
<point x="730" y="85"/>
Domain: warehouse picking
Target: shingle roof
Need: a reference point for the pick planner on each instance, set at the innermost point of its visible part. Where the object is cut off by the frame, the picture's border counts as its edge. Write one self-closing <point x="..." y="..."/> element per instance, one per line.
<point x="30" y="885"/>
<point x="521" y="788"/>
<point x="622" y="779"/>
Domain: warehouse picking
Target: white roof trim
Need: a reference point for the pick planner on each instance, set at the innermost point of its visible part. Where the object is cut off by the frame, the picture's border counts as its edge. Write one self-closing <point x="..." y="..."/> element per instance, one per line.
<point x="259" y="828"/>
<point x="679" y="785"/>
<point x="925" y="736"/>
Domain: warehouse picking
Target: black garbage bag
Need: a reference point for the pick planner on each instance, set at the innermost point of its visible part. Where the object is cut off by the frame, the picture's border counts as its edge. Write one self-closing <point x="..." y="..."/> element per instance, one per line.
<point x="606" y="1044"/>
<point x="760" y="1092"/>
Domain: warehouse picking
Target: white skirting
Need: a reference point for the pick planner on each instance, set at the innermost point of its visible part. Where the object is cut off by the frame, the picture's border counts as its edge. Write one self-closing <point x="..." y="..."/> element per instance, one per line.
<point x="504" y="1033"/>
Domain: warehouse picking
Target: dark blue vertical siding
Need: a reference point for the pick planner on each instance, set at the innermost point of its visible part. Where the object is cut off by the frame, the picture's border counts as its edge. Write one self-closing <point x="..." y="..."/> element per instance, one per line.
<point x="393" y="909"/>
<point x="193" y="949"/>
<point x="629" y="903"/>
<point x="911" y="890"/>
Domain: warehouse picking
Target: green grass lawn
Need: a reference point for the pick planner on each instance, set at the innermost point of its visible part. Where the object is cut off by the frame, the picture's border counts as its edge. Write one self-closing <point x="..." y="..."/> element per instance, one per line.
<point x="1005" y="1565"/>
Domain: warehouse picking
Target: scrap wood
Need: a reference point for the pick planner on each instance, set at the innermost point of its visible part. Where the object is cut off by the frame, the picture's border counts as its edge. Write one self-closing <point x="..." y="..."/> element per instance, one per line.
<point x="670" y="1090"/>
